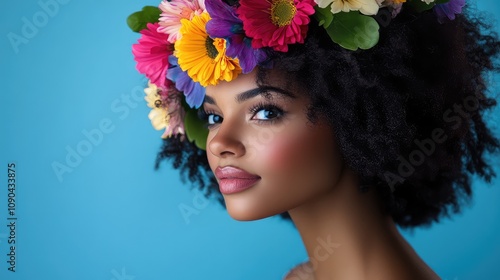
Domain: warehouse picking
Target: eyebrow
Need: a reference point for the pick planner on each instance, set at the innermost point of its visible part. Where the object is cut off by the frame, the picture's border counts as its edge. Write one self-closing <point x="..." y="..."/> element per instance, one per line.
<point x="241" y="97"/>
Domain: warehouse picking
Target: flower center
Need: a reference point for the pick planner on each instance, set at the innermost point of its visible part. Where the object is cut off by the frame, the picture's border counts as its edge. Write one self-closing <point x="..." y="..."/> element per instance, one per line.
<point x="282" y="12"/>
<point x="211" y="49"/>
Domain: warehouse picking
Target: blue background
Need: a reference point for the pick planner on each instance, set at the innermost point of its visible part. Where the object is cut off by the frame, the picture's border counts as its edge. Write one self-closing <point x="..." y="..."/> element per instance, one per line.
<point x="113" y="216"/>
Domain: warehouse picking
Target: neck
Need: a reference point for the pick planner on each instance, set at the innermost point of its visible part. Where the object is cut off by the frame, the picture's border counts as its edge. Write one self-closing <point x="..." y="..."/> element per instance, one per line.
<point x="347" y="236"/>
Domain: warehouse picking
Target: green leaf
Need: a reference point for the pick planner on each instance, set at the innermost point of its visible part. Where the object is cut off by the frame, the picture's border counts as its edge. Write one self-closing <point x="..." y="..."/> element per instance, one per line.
<point x="139" y="20"/>
<point x="196" y="130"/>
<point x="353" y="30"/>
<point x="184" y="105"/>
<point x="324" y="16"/>
<point x="420" y="6"/>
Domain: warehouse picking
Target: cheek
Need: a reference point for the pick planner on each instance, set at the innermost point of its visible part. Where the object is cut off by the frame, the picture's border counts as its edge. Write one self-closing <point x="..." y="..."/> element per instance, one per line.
<point x="298" y="165"/>
<point x="293" y="149"/>
<point x="283" y="152"/>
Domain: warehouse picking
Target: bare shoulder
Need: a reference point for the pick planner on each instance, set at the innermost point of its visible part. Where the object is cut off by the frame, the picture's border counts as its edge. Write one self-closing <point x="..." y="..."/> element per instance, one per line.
<point x="303" y="271"/>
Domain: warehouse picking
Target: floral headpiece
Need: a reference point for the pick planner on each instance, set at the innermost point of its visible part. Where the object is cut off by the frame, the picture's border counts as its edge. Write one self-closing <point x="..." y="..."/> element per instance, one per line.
<point x="187" y="45"/>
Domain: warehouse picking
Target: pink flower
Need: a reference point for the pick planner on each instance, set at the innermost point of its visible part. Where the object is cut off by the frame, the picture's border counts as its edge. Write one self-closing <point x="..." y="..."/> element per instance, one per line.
<point x="151" y="54"/>
<point x="176" y="114"/>
<point x="394" y="6"/>
<point x="174" y="11"/>
<point x="275" y="23"/>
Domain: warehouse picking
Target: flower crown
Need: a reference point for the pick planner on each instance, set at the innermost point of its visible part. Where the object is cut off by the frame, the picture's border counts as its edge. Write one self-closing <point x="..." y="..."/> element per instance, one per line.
<point x="187" y="45"/>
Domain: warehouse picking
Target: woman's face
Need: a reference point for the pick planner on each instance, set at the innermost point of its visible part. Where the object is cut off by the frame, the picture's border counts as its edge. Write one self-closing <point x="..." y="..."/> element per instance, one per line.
<point x="267" y="157"/>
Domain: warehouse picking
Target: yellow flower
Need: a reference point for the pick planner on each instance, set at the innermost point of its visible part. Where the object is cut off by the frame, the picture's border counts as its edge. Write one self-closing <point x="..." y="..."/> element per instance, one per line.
<point x="202" y="57"/>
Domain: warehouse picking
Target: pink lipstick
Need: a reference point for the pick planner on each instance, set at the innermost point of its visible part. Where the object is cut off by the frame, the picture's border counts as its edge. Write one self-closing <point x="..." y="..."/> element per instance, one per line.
<point x="233" y="180"/>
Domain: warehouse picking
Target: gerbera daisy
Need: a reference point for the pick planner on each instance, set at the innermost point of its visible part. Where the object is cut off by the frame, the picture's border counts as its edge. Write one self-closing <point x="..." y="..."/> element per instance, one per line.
<point x="276" y="23"/>
<point x="174" y="11"/>
<point x="151" y="54"/>
<point x="224" y="23"/>
<point x="204" y="58"/>
<point x="367" y="7"/>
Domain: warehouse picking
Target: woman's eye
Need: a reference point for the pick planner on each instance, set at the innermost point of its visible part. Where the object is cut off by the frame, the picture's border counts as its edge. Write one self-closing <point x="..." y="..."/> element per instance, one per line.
<point x="213" y="119"/>
<point x="267" y="114"/>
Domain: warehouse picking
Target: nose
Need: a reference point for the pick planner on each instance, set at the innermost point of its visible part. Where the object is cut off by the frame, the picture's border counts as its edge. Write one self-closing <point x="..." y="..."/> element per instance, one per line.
<point x="227" y="141"/>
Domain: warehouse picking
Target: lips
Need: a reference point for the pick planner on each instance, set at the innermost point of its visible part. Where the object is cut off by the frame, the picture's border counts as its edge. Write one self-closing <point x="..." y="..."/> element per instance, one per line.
<point x="234" y="180"/>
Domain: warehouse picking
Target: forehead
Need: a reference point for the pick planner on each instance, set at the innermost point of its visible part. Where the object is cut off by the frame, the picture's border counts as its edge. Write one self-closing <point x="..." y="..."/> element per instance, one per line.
<point x="241" y="83"/>
<point x="272" y="81"/>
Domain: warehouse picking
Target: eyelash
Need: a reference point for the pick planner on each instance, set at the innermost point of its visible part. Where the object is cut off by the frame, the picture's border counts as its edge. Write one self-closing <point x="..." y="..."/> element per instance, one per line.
<point x="268" y="107"/>
<point x="204" y="114"/>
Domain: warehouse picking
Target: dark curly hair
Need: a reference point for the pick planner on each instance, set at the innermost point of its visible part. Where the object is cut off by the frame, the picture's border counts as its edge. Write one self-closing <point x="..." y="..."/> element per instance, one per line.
<point x="408" y="114"/>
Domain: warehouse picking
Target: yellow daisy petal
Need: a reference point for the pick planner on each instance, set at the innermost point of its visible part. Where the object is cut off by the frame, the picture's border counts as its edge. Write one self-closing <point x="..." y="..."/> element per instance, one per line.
<point x="202" y="57"/>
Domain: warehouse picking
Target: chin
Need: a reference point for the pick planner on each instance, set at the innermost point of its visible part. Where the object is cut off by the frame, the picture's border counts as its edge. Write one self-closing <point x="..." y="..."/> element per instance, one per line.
<point x="241" y="211"/>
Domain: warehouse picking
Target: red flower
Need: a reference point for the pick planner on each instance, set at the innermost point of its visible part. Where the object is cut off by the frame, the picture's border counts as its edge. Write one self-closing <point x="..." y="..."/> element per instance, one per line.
<point x="275" y="23"/>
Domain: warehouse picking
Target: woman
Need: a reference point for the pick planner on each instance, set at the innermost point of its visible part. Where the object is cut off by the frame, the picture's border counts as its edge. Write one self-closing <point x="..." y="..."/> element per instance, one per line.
<point x="347" y="117"/>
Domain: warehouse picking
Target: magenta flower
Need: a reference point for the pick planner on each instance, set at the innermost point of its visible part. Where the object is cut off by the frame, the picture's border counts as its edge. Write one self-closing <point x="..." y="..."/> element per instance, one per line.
<point x="225" y="24"/>
<point x="151" y="54"/>
<point x="449" y="10"/>
<point x="276" y="23"/>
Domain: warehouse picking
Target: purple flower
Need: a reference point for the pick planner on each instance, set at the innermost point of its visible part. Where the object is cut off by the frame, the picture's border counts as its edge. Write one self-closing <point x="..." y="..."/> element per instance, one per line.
<point x="226" y="24"/>
<point x="193" y="91"/>
<point x="449" y="10"/>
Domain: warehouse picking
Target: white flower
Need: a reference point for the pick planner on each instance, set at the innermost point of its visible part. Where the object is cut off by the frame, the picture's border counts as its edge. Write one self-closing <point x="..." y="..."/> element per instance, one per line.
<point x="159" y="115"/>
<point x="166" y="109"/>
<point x="367" y="7"/>
<point x="151" y="94"/>
<point x="159" y="118"/>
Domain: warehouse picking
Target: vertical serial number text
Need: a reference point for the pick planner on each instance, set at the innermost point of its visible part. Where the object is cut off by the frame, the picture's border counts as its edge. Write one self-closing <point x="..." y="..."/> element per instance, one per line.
<point x="11" y="217"/>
